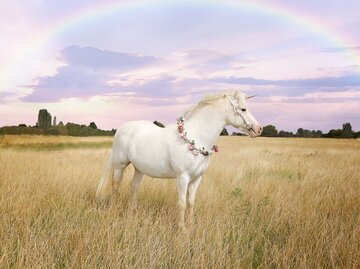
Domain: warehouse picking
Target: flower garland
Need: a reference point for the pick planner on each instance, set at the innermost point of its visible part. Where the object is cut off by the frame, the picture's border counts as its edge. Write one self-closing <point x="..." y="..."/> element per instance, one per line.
<point x="191" y="143"/>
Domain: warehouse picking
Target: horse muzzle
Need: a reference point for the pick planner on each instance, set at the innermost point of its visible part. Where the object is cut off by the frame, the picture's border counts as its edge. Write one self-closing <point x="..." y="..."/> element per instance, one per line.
<point x="254" y="131"/>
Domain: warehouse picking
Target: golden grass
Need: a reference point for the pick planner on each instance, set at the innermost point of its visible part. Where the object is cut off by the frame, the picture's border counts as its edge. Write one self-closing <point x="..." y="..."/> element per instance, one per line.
<point x="39" y="142"/>
<point x="263" y="203"/>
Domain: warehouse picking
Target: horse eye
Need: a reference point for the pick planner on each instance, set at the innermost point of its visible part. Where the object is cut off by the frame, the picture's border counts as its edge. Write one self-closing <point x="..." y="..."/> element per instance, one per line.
<point x="243" y="109"/>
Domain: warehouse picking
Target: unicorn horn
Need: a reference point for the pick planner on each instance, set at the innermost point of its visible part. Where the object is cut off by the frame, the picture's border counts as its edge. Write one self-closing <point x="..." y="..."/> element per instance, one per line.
<point x="250" y="96"/>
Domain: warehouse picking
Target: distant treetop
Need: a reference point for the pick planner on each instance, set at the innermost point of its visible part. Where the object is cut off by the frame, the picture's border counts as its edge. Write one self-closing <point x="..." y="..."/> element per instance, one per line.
<point x="44" y="119"/>
<point x="158" y="123"/>
<point x="92" y="125"/>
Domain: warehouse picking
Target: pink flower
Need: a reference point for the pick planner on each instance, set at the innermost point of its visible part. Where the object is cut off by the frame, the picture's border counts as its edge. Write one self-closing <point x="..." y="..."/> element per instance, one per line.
<point x="215" y="148"/>
<point x="182" y="135"/>
<point x="191" y="147"/>
<point x="181" y="128"/>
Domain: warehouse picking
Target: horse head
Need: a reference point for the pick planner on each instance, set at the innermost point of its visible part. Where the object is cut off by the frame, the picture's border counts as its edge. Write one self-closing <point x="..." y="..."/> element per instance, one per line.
<point x="239" y="115"/>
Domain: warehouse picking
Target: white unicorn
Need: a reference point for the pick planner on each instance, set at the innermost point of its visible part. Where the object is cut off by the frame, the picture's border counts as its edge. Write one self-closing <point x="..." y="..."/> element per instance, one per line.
<point x="180" y="151"/>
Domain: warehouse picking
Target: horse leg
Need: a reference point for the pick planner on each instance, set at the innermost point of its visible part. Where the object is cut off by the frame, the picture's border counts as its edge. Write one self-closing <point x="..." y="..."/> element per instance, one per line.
<point x="182" y="182"/>
<point x="118" y="175"/>
<point x="135" y="183"/>
<point x="192" y="188"/>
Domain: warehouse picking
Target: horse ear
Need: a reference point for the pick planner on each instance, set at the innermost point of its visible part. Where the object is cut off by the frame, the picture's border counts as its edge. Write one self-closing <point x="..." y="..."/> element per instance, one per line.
<point x="237" y="94"/>
<point x="250" y="96"/>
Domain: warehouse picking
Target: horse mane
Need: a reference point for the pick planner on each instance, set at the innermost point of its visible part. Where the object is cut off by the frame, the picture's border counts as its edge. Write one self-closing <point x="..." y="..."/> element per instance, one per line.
<point x="208" y="98"/>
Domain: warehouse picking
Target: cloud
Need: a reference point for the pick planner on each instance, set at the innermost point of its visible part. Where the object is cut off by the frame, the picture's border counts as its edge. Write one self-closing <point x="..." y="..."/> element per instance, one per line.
<point x="94" y="72"/>
<point x="90" y="71"/>
<point x="339" y="81"/>
<point x="296" y="87"/>
<point x="314" y="99"/>
<point x="340" y="49"/>
<point x="86" y="74"/>
<point x="206" y="60"/>
<point x="102" y="59"/>
<point x="70" y="81"/>
<point x="4" y="95"/>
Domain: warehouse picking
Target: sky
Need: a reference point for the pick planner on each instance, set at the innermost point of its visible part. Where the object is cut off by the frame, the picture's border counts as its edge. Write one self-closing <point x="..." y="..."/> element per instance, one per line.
<point x="115" y="61"/>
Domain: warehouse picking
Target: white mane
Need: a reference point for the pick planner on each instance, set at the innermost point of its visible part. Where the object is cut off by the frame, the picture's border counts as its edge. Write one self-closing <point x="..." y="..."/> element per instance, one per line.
<point x="210" y="98"/>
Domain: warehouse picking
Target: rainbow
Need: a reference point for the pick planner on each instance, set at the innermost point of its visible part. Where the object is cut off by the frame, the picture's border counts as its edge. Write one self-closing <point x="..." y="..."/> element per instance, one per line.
<point x="97" y="11"/>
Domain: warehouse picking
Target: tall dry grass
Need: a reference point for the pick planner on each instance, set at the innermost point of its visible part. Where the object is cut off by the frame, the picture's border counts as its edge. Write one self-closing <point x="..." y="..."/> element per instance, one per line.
<point x="38" y="142"/>
<point x="263" y="203"/>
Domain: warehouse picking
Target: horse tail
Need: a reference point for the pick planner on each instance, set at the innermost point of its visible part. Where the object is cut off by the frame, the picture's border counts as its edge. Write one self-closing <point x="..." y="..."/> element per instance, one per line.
<point x="105" y="186"/>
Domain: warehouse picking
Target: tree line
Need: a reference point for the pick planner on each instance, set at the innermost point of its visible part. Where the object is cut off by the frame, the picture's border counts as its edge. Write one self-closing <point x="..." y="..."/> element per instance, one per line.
<point x="345" y="132"/>
<point x="45" y="126"/>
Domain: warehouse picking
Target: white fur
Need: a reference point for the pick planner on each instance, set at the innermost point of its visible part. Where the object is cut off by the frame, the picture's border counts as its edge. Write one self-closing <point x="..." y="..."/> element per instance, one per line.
<point x="161" y="153"/>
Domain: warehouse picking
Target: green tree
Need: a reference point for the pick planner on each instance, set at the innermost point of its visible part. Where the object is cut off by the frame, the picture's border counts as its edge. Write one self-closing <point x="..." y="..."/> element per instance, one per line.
<point x="318" y="133"/>
<point x="285" y="134"/>
<point x="92" y="125"/>
<point x="44" y="119"/>
<point x="300" y="132"/>
<point x="269" y="131"/>
<point x="303" y="133"/>
<point x="347" y="130"/>
<point x="334" y="133"/>
<point x="224" y="132"/>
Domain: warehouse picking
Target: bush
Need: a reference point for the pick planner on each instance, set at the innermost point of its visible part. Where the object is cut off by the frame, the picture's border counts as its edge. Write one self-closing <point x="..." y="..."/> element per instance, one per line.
<point x="269" y="131"/>
<point x="16" y="130"/>
<point x="285" y="134"/>
<point x="52" y="131"/>
<point x="74" y="129"/>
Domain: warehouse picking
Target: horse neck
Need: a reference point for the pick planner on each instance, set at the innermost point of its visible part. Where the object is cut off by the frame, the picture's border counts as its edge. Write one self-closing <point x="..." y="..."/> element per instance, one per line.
<point x="205" y="125"/>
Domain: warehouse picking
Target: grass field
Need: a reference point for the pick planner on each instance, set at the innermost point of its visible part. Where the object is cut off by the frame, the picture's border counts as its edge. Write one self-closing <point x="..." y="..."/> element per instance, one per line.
<point x="263" y="203"/>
